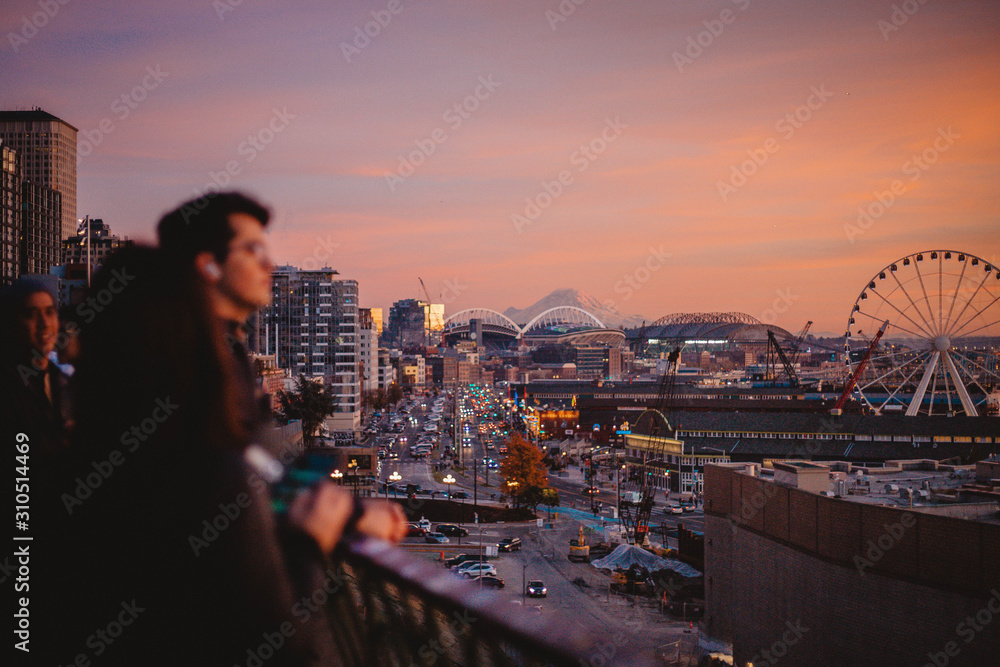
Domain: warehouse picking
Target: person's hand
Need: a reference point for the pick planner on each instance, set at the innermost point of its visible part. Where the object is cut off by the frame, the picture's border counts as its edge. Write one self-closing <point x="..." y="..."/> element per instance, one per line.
<point x="384" y="520"/>
<point x="322" y="511"/>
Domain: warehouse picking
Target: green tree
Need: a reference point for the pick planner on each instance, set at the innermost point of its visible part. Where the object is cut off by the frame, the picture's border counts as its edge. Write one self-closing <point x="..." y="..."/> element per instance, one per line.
<point x="550" y="498"/>
<point x="311" y="402"/>
<point x="523" y="472"/>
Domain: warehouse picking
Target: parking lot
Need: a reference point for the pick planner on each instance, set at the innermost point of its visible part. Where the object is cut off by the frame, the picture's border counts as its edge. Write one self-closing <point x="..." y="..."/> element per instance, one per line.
<point x="578" y="593"/>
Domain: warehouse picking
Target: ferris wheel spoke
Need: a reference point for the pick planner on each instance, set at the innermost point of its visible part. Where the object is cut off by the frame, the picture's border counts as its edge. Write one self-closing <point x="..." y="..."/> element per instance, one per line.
<point x="896" y="369"/>
<point x="944" y="379"/>
<point x="927" y="298"/>
<point x="918" y="396"/>
<point x="969" y="361"/>
<point x="913" y="302"/>
<point x="946" y="323"/>
<point x="963" y="392"/>
<point x="973" y="319"/>
<point x="940" y="318"/>
<point x="968" y="303"/>
<point x="896" y="325"/>
<point x="904" y="382"/>
<point x="875" y="364"/>
<point x="934" y="387"/>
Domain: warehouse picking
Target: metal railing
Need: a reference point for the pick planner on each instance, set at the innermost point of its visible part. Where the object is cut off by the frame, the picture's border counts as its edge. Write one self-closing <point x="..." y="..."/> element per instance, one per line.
<point x="394" y="609"/>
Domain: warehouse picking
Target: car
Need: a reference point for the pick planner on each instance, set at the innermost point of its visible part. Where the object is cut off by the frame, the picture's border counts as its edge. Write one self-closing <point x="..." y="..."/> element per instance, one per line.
<point x="591" y="491"/>
<point x="460" y="495"/>
<point x="462" y="558"/>
<point x="475" y="569"/>
<point x="413" y="530"/>
<point x="536" y="589"/>
<point x="488" y="581"/>
<point x="675" y="509"/>
<point x="687" y="508"/>
<point x="509" y="544"/>
<point x="424" y="523"/>
<point x="436" y="538"/>
<point x="451" y="530"/>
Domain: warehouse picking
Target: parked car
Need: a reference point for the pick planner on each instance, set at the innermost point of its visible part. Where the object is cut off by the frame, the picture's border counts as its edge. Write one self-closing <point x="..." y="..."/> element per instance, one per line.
<point x="436" y="538"/>
<point x="509" y="544"/>
<point x="476" y="569"/>
<point x="451" y="530"/>
<point x="536" y="589"/>
<point x="488" y="581"/>
<point x="462" y="558"/>
<point x="415" y="531"/>
<point x="459" y="494"/>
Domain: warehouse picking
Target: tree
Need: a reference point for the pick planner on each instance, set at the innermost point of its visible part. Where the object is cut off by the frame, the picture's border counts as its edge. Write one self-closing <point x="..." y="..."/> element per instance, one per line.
<point x="523" y="471"/>
<point x="394" y="394"/>
<point x="311" y="402"/>
<point x="550" y="498"/>
<point x="375" y="399"/>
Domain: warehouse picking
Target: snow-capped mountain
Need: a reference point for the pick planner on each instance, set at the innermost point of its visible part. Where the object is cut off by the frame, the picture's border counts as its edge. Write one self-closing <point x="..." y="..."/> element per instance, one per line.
<point x="606" y="313"/>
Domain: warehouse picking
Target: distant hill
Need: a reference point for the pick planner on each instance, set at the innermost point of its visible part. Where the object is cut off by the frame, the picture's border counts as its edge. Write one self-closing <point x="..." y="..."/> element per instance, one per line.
<point x="572" y="297"/>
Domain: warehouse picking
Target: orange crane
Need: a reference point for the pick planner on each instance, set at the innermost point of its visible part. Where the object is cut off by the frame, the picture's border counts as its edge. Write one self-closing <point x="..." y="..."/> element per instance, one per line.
<point x="838" y="407"/>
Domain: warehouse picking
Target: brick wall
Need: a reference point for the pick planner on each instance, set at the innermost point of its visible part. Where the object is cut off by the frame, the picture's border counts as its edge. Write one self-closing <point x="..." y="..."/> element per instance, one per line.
<point x="874" y="585"/>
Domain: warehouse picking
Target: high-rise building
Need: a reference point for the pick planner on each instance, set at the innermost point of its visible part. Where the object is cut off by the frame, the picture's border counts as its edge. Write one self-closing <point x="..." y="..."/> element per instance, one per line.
<point x="92" y="243"/>
<point x="414" y="323"/>
<point x="30" y="220"/>
<point x="10" y="214"/>
<point x="367" y="350"/>
<point x="377" y="319"/>
<point x="386" y="371"/>
<point x="598" y="362"/>
<point x="40" y="249"/>
<point x="407" y="324"/>
<point x="311" y="327"/>
<point x="47" y="146"/>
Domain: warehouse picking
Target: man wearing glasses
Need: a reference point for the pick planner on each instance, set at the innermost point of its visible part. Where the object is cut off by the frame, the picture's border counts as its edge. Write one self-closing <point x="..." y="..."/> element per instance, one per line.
<point x="222" y="238"/>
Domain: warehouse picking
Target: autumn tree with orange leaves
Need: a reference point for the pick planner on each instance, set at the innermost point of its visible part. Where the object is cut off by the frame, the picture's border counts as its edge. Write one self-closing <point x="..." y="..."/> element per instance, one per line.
<point x="523" y="472"/>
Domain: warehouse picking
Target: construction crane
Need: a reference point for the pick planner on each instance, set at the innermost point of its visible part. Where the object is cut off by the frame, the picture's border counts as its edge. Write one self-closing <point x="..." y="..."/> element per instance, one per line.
<point x="640" y="341"/>
<point x="427" y="310"/>
<point x="838" y="407"/>
<point x="773" y="349"/>
<point x="793" y="351"/>
<point x="636" y="501"/>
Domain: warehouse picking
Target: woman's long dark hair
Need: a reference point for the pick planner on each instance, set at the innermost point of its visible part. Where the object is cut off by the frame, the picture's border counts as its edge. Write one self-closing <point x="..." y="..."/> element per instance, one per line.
<point x="148" y="343"/>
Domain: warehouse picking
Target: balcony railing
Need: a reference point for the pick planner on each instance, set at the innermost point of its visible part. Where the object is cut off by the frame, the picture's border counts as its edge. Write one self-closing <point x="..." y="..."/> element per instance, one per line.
<point x="394" y="609"/>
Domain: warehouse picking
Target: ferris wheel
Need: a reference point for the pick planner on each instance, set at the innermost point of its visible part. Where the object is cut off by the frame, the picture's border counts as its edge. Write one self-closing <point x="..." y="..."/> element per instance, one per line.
<point x="939" y="352"/>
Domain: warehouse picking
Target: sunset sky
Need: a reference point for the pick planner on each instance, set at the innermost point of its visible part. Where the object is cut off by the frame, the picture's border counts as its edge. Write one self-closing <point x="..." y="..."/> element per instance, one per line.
<point x="651" y="113"/>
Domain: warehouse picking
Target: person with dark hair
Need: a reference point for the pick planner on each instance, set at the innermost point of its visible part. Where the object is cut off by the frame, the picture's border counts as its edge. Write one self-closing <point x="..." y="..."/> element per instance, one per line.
<point x="221" y="238"/>
<point x="33" y="389"/>
<point x="177" y="535"/>
<point x="35" y="422"/>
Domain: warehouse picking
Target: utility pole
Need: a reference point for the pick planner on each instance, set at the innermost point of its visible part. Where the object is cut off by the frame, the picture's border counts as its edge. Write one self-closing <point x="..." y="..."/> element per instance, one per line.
<point x="592" y="485"/>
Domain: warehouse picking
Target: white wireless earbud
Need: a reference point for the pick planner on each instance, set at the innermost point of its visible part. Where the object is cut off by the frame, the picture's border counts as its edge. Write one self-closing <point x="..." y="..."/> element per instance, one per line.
<point x="213" y="271"/>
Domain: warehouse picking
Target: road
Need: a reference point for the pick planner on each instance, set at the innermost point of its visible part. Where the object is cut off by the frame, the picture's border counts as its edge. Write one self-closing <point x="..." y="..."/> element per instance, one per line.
<point x="591" y="607"/>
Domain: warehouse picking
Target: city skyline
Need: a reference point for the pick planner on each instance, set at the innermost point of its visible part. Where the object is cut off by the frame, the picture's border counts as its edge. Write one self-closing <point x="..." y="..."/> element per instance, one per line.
<point x="662" y="157"/>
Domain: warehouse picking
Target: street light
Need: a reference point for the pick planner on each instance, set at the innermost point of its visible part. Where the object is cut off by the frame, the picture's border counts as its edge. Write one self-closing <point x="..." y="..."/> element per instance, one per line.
<point x="352" y="467"/>
<point x="337" y="475"/>
<point x="394" y="477"/>
<point x="511" y="487"/>
<point x="449" y="480"/>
